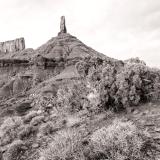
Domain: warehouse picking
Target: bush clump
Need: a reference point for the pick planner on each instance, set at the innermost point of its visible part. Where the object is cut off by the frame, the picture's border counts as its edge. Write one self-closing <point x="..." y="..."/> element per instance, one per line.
<point x="66" y="145"/>
<point x="46" y="128"/>
<point x="9" y="129"/>
<point x="110" y="84"/>
<point x="27" y="131"/>
<point x="29" y="116"/>
<point x="70" y="98"/>
<point x="37" y="120"/>
<point x="15" y="150"/>
<point x="121" y="87"/>
<point x="119" y="141"/>
<point x="122" y="141"/>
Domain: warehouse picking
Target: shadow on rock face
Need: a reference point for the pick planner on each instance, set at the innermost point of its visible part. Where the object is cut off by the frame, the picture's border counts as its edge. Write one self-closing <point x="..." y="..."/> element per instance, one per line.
<point x="22" y="108"/>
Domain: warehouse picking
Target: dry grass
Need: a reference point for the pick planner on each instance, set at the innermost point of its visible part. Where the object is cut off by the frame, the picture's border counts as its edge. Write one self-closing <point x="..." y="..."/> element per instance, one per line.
<point x="122" y="141"/>
<point x="66" y="145"/>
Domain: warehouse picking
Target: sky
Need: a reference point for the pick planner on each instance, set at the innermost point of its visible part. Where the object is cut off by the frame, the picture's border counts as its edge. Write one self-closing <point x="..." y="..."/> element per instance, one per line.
<point x="118" y="28"/>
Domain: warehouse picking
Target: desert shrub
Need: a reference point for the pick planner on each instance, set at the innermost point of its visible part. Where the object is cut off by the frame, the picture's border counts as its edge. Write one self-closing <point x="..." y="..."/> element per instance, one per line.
<point x="71" y="97"/>
<point x="27" y="131"/>
<point x="9" y="129"/>
<point x="136" y="84"/>
<point x="66" y="145"/>
<point x="15" y="150"/>
<point x="101" y="80"/>
<point x="121" y="87"/>
<point x="37" y="120"/>
<point x="122" y="141"/>
<point x="7" y="89"/>
<point x="82" y="68"/>
<point x="29" y="116"/>
<point x="94" y="97"/>
<point x="46" y="128"/>
<point x="135" y="60"/>
<point x="45" y="102"/>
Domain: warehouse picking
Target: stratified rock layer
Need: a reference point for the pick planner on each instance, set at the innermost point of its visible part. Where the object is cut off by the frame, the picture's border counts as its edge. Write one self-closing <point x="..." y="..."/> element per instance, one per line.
<point x="12" y="46"/>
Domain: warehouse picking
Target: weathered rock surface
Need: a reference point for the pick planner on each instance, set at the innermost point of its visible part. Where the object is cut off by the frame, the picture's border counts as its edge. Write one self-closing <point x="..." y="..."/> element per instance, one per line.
<point x="12" y="46"/>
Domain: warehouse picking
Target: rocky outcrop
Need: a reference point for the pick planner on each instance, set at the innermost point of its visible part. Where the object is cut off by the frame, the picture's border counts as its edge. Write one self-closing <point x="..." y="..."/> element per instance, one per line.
<point x="12" y="46"/>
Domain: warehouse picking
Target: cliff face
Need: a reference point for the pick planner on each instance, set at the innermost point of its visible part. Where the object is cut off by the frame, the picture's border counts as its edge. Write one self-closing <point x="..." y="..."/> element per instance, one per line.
<point x="12" y="46"/>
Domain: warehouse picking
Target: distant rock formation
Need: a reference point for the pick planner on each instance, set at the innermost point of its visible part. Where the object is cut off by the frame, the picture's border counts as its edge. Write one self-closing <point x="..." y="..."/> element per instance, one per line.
<point x="63" y="28"/>
<point x="12" y="46"/>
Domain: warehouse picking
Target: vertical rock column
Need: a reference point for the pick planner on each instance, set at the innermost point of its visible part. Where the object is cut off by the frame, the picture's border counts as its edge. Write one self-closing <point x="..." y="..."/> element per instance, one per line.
<point x="63" y="28"/>
<point x="20" y="44"/>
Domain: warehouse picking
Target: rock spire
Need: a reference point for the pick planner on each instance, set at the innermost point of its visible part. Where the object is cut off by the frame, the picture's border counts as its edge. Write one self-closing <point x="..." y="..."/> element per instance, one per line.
<point x="63" y="25"/>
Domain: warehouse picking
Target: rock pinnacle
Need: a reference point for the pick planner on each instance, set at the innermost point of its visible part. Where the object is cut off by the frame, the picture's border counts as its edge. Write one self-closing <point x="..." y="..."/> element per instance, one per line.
<point x="63" y="25"/>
